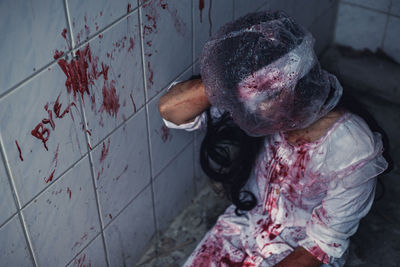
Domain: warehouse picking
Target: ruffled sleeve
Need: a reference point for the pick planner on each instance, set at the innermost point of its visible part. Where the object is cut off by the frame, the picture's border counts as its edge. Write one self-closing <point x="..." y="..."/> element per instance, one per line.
<point x="199" y="121"/>
<point x="353" y="159"/>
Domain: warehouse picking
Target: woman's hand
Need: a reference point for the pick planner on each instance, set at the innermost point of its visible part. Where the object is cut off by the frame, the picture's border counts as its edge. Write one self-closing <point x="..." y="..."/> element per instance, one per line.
<point x="183" y="102"/>
<point x="299" y="257"/>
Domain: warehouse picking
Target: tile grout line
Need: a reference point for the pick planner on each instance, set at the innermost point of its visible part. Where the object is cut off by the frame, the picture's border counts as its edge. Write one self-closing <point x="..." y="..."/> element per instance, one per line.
<point x="68" y="18"/>
<point x="17" y="202"/>
<point x="141" y="36"/>
<point x="96" y="195"/>
<point x="370" y="9"/>
<point x="386" y="26"/>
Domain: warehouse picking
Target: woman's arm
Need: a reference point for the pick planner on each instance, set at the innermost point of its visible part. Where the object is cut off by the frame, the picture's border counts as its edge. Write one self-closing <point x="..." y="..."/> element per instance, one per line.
<point x="299" y="258"/>
<point x="183" y="102"/>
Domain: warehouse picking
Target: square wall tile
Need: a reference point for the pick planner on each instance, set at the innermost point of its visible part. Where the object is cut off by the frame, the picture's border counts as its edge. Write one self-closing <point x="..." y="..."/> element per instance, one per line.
<point x="42" y="133"/>
<point x="14" y="250"/>
<point x="209" y="16"/>
<point x="128" y="236"/>
<point x="91" y="16"/>
<point x="32" y="31"/>
<point x="173" y="188"/>
<point x="93" y="255"/>
<point x="359" y="28"/>
<point x="200" y="178"/>
<point x="288" y="6"/>
<point x="167" y="40"/>
<point x="306" y="11"/>
<point x="243" y="7"/>
<point x="165" y="143"/>
<point x="392" y="38"/>
<point x="395" y="8"/>
<point x="381" y="5"/>
<point x="115" y="77"/>
<point x="7" y="203"/>
<point x="323" y="30"/>
<point x="63" y="219"/>
<point x="122" y="166"/>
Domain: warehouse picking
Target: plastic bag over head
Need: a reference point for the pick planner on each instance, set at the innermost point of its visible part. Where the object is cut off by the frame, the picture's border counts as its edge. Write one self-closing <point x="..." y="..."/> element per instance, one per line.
<point x="262" y="69"/>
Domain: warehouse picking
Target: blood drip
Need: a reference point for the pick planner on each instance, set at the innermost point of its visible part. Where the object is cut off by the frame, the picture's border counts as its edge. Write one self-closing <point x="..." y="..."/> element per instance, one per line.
<point x="19" y="151"/>
<point x="201" y="7"/>
<point x="104" y="151"/>
<point x="50" y="177"/>
<point x="42" y="133"/>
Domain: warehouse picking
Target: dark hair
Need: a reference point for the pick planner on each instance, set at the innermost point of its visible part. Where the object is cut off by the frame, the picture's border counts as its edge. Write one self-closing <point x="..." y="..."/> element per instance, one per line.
<point x="227" y="153"/>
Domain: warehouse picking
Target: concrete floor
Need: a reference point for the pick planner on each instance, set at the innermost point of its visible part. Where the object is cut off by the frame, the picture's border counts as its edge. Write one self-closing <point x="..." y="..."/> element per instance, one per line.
<point x="377" y="241"/>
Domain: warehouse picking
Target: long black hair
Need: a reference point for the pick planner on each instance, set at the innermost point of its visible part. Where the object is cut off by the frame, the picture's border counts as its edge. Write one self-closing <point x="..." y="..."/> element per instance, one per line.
<point x="227" y="153"/>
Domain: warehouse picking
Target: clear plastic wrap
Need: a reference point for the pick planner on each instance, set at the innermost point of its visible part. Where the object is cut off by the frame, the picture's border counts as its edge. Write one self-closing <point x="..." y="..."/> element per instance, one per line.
<point x="262" y="69"/>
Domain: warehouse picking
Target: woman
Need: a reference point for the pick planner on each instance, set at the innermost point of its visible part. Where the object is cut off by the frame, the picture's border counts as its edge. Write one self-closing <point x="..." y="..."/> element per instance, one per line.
<point x="300" y="170"/>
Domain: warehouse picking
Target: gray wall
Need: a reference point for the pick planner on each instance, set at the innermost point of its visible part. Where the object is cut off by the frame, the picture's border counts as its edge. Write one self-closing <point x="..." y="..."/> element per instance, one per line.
<point x="370" y="24"/>
<point x="92" y="180"/>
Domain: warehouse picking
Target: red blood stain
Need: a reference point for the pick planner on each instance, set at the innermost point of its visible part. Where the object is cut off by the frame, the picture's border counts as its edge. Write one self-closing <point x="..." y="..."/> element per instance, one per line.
<point x="80" y="262"/>
<point x="64" y="33"/>
<point x="19" y="151"/>
<point x="227" y="260"/>
<point x="89" y="132"/>
<point x="104" y="151"/>
<point x="133" y="102"/>
<point x="57" y="108"/>
<point x="201" y="7"/>
<point x="100" y="36"/>
<point x="55" y="158"/>
<point x="76" y="72"/>
<point x="50" y="178"/>
<point x="110" y="216"/>
<point x="110" y="100"/>
<point x="58" y="54"/>
<point x="49" y="120"/>
<point x="90" y="147"/>
<point x="123" y="171"/>
<point x="165" y="134"/>
<point x="128" y="9"/>
<point x="149" y="43"/>
<point x="151" y="77"/>
<point x="69" y="192"/>
<point x="104" y="71"/>
<point x="131" y="44"/>
<point x="42" y="133"/>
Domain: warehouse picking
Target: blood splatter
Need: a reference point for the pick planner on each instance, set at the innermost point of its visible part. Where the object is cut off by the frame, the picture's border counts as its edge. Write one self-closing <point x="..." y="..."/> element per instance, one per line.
<point x="58" y="54"/>
<point x="128" y="9"/>
<point x="42" y="133"/>
<point x="201" y="7"/>
<point x="110" y="216"/>
<point x="64" y="33"/>
<point x="69" y="192"/>
<point x="55" y="158"/>
<point x="123" y="171"/>
<point x="19" y="151"/>
<point x="89" y="132"/>
<point x="151" y="77"/>
<point x="165" y="134"/>
<point x="133" y="102"/>
<point x="76" y="72"/>
<point x="131" y="44"/>
<point x="49" y="120"/>
<point x="110" y="100"/>
<point x="57" y="108"/>
<point x="50" y="178"/>
<point x="104" y="150"/>
<point x="104" y="71"/>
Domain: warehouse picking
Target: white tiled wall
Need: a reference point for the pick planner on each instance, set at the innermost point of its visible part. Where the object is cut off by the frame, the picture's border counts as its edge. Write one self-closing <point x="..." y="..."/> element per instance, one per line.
<point x="88" y="172"/>
<point x="369" y="24"/>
